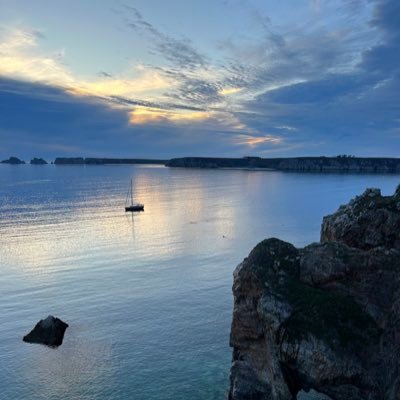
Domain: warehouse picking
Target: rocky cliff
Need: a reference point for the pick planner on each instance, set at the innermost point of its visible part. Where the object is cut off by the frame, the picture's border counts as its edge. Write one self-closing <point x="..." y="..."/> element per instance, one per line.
<point x="324" y="318"/>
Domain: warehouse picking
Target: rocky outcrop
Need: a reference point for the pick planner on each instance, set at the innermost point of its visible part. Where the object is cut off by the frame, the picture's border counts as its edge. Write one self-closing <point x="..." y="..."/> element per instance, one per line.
<point x="49" y="331"/>
<point x="13" y="160"/>
<point x="38" y="161"/>
<point x="324" y="318"/>
<point x="368" y="221"/>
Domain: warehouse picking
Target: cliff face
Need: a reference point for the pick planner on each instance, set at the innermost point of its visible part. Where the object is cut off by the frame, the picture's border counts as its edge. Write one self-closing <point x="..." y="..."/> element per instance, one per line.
<point x="326" y="317"/>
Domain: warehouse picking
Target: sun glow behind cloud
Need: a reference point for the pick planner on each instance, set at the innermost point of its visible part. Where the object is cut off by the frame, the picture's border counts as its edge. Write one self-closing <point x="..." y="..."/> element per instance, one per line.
<point x="23" y="58"/>
<point x="253" y="141"/>
<point x="143" y="115"/>
<point x="307" y="75"/>
<point x="228" y="91"/>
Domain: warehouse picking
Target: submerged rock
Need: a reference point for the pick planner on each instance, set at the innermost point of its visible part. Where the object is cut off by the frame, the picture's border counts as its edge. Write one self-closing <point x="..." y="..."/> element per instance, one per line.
<point x="324" y="319"/>
<point x="49" y="331"/>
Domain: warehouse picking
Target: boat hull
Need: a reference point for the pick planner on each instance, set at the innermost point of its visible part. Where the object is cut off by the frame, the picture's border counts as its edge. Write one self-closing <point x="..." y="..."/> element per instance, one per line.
<point x="134" y="208"/>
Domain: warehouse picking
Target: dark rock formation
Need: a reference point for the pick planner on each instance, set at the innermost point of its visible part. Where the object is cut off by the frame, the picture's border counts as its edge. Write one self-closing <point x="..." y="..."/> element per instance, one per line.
<point x="38" y="161"/>
<point x="301" y="164"/>
<point x="13" y="160"/>
<point x="368" y="221"/>
<point x="49" y="331"/>
<point x="325" y="318"/>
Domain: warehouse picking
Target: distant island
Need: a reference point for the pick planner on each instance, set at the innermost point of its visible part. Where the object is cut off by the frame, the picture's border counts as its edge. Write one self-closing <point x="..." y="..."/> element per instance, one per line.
<point x="341" y="163"/>
<point x="104" y="161"/>
<point x="13" y="160"/>
<point x="38" y="161"/>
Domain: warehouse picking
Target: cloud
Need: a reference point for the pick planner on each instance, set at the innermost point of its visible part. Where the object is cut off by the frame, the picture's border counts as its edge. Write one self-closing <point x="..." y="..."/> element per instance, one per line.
<point x="105" y="74"/>
<point x="384" y="58"/>
<point x="41" y="120"/>
<point x="346" y="100"/>
<point x="21" y="58"/>
<point x="253" y="141"/>
<point x="180" y="52"/>
<point x="326" y="85"/>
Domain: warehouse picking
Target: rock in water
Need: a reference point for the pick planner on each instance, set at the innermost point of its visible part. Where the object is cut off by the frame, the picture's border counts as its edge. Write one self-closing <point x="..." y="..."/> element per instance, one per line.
<point x="38" y="161"/>
<point x="322" y="320"/>
<point x="49" y="331"/>
<point x="13" y="160"/>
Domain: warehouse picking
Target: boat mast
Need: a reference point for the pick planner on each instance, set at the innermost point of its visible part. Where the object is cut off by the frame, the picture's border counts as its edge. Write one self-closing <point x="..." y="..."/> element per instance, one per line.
<point x="131" y="193"/>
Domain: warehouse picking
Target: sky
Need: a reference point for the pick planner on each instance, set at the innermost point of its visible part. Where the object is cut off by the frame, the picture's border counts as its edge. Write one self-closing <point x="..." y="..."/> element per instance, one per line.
<point x="232" y="78"/>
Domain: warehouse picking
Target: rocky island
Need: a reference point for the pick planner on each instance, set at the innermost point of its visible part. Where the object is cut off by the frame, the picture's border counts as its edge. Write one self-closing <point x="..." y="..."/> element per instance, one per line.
<point x="104" y="161"/>
<point x="38" y="161"/>
<point x="325" y="318"/>
<point x="13" y="160"/>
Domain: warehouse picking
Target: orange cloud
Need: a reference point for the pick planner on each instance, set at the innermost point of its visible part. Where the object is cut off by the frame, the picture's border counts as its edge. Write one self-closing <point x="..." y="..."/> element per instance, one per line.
<point x="143" y="115"/>
<point x="254" y="141"/>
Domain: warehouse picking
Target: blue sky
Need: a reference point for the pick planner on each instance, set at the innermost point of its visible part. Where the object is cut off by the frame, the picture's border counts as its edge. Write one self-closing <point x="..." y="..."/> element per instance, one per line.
<point x="215" y="78"/>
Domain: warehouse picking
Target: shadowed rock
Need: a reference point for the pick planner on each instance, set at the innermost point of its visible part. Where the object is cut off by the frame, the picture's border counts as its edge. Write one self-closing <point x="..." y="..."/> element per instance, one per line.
<point x="323" y="321"/>
<point x="49" y="331"/>
<point x="368" y="221"/>
<point x="38" y="161"/>
<point x="13" y="160"/>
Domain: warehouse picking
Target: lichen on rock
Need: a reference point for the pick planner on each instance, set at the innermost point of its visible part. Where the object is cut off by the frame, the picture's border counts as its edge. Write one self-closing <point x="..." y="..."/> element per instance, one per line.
<point x="324" y="319"/>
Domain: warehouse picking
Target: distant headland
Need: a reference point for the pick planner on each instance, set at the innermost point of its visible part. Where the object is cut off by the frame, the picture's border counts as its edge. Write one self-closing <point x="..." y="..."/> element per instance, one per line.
<point x="84" y="161"/>
<point x="341" y="163"/>
<point x="104" y="161"/>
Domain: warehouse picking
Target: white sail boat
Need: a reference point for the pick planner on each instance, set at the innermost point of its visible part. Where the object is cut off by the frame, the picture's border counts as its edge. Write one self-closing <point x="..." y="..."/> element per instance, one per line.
<point x="133" y="206"/>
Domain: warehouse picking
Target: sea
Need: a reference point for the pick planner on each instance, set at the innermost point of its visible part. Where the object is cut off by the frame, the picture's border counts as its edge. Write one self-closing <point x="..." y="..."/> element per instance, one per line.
<point x="147" y="296"/>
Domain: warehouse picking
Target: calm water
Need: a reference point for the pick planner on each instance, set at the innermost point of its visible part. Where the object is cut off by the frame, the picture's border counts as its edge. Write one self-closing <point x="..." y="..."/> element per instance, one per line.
<point x="148" y="298"/>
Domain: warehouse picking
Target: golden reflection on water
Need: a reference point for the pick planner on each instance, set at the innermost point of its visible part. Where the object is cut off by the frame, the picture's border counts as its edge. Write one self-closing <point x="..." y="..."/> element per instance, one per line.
<point x="55" y="237"/>
<point x="147" y="294"/>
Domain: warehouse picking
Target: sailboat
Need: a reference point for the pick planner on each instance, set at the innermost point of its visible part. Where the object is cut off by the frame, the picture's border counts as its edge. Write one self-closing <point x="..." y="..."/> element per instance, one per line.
<point x="133" y="206"/>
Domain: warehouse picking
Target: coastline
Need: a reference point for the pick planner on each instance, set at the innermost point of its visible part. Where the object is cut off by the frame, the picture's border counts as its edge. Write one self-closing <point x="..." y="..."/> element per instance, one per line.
<point x="322" y="164"/>
<point x="294" y="164"/>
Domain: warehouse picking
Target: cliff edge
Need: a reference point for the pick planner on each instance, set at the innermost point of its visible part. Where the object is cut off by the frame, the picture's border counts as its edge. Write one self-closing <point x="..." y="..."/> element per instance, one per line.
<point x="325" y="318"/>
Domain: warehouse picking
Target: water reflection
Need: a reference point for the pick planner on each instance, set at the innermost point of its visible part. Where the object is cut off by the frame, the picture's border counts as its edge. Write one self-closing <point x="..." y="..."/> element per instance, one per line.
<point x="146" y="294"/>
